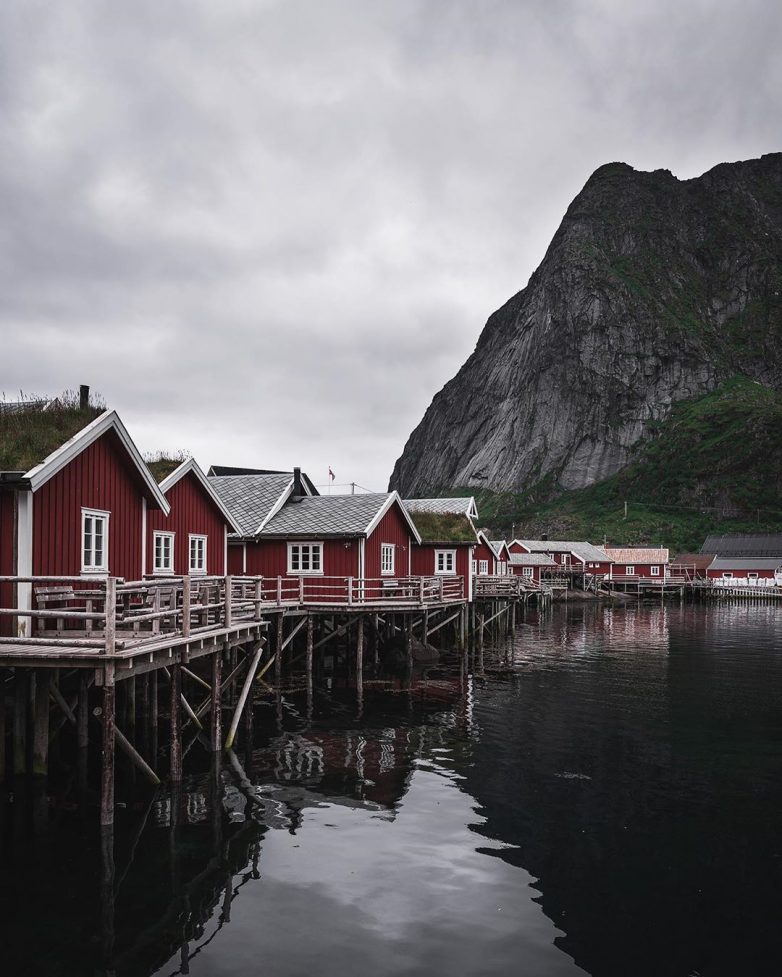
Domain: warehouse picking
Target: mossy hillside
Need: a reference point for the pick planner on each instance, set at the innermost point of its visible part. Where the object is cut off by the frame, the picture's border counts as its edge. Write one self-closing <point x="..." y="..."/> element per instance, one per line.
<point x="714" y="465"/>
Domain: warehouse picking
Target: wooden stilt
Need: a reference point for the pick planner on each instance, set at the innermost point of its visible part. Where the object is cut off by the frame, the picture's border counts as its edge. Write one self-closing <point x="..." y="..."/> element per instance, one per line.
<point x="360" y="654"/>
<point x="248" y="681"/>
<point x="216" y="719"/>
<point x="153" y="716"/>
<point x="278" y="647"/>
<point x="107" y="749"/>
<point x="176" y="722"/>
<point x="41" y="724"/>
<point x="20" y="721"/>
<point x="310" y="644"/>
<point x="131" y="707"/>
<point x="2" y="731"/>
<point x="408" y="626"/>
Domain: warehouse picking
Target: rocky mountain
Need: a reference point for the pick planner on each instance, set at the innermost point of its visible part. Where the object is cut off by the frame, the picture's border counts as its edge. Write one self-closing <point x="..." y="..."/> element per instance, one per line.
<point x="654" y="290"/>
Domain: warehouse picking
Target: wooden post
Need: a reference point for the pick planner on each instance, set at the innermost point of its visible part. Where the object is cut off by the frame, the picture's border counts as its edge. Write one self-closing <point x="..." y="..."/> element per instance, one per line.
<point x="41" y="724"/>
<point x="278" y="646"/>
<point x="216" y="724"/>
<point x="131" y="703"/>
<point x="107" y="748"/>
<point x="110" y="631"/>
<point x="408" y="626"/>
<point x="176" y="722"/>
<point x="186" y="601"/>
<point x="248" y="681"/>
<point x="310" y="644"/>
<point x="20" y="721"/>
<point x="360" y="654"/>
<point x="425" y="636"/>
<point x="2" y="732"/>
<point x="228" y="601"/>
<point x="153" y="716"/>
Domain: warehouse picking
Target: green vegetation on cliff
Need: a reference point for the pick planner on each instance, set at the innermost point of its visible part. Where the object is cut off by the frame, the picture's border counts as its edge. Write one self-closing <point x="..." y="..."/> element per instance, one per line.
<point x="714" y="464"/>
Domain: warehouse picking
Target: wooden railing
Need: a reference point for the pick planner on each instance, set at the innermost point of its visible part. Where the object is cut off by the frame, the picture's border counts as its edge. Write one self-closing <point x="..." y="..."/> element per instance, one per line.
<point x="109" y="614"/>
<point x="484" y="586"/>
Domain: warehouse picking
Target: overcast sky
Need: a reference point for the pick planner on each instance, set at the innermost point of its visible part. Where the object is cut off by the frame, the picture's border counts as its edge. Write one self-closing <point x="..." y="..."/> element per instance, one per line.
<point x="268" y="232"/>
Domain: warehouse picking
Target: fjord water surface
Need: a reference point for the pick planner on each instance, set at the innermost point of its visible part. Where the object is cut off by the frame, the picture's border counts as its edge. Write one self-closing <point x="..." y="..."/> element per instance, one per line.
<point x="608" y="803"/>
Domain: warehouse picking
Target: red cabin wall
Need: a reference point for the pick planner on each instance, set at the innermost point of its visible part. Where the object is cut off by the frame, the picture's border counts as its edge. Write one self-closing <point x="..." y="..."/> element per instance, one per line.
<point x="192" y="511"/>
<point x="392" y="528"/>
<point x="516" y="547"/>
<point x="236" y="559"/>
<point x="482" y="552"/>
<point x="640" y="570"/>
<point x="740" y="574"/>
<point x="423" y="561"/>
<point x="100" y="477"/>
<point x="518" y="571"/>
<point x="269" y="558"/>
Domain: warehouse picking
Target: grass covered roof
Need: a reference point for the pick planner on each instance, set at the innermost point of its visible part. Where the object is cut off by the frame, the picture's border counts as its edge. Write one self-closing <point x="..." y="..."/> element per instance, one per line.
<point x="444" y="527"/>
<point x="31" y="429"/>
<point x="162" y="466"/>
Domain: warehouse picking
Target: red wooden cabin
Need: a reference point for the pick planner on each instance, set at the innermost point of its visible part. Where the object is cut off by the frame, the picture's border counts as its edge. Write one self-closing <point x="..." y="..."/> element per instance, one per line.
<point x="447" y="546"/>
<point x="636" y="561"/>
<point x="733" y="571"/>
<point x="484" y="560"/>
<point x="531" y="566"/>
<point x="81" y="511"/>
<point x="193" y="537"/>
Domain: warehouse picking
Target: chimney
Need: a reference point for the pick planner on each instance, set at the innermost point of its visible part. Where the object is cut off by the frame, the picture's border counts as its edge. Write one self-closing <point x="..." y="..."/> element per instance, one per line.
<point x="84" y="397"/>
<point x="544" y="536"/>
<point x="298" y="488"/>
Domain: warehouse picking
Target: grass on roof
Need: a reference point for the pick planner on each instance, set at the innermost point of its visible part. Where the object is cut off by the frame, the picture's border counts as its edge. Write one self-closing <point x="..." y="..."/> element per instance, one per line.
<point x="162" y="464"/>
<point x="38" y="426"/>
<point x="443" y="527"/>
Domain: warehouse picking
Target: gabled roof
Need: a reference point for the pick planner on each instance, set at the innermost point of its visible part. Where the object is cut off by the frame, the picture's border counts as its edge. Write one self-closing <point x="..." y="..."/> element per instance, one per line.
<point x="737" y="563"/>
<point x="700" y="561"/>
<point x="252" y="499"/>
<point x="744" y="544"/>
<point x="335" y="515"/>
<point x="108" y="421"/>
<point x="190" y="467"/>
<point x="498" y="545"/>
<point x="445" y="528"/>
<point x="636" y="554"/>
<point x="530" y="560"/>
<point x="583" y="550"/>
<point x="461" y="506"/>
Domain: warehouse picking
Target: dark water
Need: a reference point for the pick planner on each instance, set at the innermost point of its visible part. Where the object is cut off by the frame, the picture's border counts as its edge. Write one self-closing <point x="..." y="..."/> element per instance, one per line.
<point x="610" y="806"/>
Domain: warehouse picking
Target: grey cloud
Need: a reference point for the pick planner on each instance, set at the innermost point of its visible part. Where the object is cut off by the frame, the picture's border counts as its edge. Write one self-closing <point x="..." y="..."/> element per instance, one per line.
<point x="269" y="232"/>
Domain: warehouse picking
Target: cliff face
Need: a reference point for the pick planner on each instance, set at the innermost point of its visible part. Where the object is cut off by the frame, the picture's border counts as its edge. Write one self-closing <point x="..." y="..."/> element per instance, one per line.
<point x="653" y="290"/>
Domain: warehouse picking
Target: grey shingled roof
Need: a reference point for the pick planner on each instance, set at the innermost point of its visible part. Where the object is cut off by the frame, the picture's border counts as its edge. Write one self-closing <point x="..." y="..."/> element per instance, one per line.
<point x="735" y="563"/>
<point x="744" y="544"/>
<point x="583" y="550"/>
<point x="250" y="498"/>
<point x="531" y="559"/>
<point x="326" y="515"/>
<point x="458" y="506"/>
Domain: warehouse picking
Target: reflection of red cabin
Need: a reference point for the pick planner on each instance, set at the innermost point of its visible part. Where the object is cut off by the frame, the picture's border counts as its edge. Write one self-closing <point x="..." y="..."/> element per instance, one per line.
<point x="638" y="561"/>
<point x="193" y="537"/>
<point x="81" y="511"/>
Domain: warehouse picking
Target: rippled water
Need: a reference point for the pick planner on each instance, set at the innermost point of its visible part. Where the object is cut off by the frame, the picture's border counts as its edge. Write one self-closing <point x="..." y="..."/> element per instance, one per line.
<point x="605" y="801"/>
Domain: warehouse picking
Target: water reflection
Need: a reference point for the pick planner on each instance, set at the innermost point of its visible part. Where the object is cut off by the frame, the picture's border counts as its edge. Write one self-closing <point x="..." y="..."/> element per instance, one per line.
<point x="605" y="801"/>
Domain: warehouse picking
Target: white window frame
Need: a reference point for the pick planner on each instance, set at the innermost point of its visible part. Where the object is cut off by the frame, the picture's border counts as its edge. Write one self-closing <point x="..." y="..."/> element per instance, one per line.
<point x="387" y="559"/>
<point x="442" y="559"/>
<point x="564" y="559"/>
<point x="312" y="547"/>
<point x="630" y="569"/>
<point x="474" y="564"/>
<point x="752" y="575"/>
<point x="528" y="571"/>
<point x="483" y="568"/>
<point x="197" y="538"/>
<point x="162" y="571"/>
<point x="90" y="566"/>
<point x="654" y="570"/>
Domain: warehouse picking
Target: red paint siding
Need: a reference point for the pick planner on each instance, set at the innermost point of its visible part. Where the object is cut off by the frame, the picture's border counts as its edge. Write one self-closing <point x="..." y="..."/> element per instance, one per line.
<point x="392" y="528"/>
<point x="101" y="477"/>
<point x="516" y="547"/>
<point x="423" y="561"/>
<point x="518" y="571"/>
<point x="640" y="570"/>
<point x="483" y="552"/>
<point x="236" y="559"/>
<point x="192" y="511"/>
<point x="740" y="574"/>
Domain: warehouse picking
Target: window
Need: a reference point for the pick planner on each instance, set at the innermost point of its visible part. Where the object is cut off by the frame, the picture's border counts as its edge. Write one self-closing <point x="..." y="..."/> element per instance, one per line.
<point x="527" y="571"/>
<point x="387" y="558"/>
<point x="198" y="554"/>
<point x="305" y="558"/>
<point x="164" y="552"/>
<point x="445" y="561"/>
<point x="474" y="567"/>
<point x="655" y="571"/>
<point x="727" y="576"/>
<point x="630" y="570"/>
<point x="752" y="576"/>
<point x="483" y="567"/>
<point x="94" y="541"/>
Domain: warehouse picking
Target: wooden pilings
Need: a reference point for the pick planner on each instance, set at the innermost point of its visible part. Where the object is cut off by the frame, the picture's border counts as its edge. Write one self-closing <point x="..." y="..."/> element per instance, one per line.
<point x="175" y="709"/>
<point x="41" y="723"/>
<point x="108" y="720"/>
<point x="216" y="717"/>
